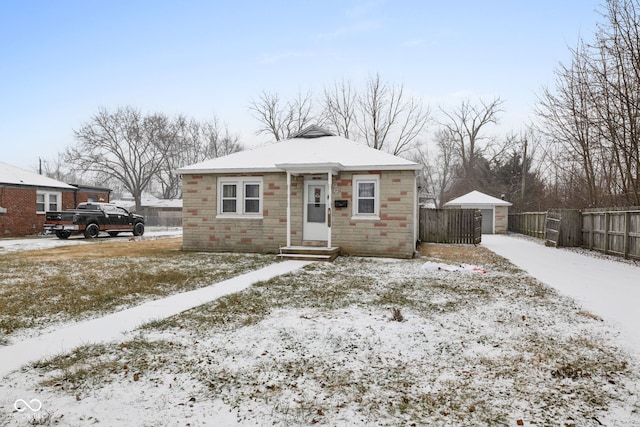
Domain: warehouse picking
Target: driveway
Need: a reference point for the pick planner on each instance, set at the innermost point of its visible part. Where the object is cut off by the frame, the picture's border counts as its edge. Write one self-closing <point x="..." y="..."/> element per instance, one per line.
<point x="46" y="242"/>
<point x="607" y="287"/>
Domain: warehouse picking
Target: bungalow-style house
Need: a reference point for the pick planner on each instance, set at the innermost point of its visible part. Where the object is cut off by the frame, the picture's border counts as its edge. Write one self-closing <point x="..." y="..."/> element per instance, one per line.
<point x="25" y="197"/>
<point x="313" y="190"/>
<point x="495" y="212"/>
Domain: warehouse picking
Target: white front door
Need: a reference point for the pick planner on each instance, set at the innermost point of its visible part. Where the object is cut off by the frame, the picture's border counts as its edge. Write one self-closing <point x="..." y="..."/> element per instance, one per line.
<point x="315" y="211"/>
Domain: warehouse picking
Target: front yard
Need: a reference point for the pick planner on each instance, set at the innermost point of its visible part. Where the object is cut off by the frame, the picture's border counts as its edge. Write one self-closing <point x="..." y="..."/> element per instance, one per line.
<point x="356" y="342"/>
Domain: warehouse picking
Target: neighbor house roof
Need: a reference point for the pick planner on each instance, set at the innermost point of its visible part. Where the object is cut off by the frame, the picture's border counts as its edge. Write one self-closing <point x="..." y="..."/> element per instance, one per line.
<point x="313" y="149"/>
<point x="13" y="175"/>
<point x="149" y="200"/>
<point x="476" y="198"/>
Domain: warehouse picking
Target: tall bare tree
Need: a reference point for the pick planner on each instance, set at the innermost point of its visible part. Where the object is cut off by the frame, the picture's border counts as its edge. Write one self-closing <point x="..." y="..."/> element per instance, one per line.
<point x="465" y="127"/>
<point x="592" y="113"/>
<point x="340" y="109"/>
<point x="389" y="119"/>
<point x="192" y="142"/>
<point x="282" y="119"/>
<point x="124" y="145"/>
<point x="439" y="166"/>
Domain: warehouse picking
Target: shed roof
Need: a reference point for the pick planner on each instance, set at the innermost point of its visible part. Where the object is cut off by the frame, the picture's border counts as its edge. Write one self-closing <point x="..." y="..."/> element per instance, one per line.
<point x="312" y="149"/>
<point x="476" y="198"/>
<point x="15" y="176"/>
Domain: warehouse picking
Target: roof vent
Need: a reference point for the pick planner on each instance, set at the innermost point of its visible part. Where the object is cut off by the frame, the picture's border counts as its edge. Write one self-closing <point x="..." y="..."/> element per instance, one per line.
<point x="313" y="131"/>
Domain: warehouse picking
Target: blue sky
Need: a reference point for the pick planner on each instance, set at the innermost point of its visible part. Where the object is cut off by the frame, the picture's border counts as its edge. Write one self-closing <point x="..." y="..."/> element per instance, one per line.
<point x="62" y="60"/>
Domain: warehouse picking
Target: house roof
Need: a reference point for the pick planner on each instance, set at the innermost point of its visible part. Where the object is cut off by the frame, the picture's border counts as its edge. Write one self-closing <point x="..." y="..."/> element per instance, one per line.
<point x="312" y="150"/>
<point x="476" y="198"/>
<point x="149" y="200"/>
<point x="13" y="175"/>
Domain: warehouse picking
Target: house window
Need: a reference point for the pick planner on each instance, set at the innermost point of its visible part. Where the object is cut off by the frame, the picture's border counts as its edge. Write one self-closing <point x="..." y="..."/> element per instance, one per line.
<point x="240" y="197"/>
<point x="48" y="201"/>
<point x="252" y="198"/>
<point x="229" y="198"/>
<point x="366" y="193"/>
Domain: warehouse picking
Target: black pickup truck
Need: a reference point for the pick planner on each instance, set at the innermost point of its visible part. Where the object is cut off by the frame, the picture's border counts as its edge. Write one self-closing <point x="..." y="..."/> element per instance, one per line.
<point x="92" y="218"/>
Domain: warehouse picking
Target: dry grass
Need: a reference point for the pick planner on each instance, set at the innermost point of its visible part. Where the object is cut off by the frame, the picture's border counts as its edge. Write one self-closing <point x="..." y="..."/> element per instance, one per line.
<point x="454" y="254"/>
<point x="47" y="287"/>
<point x="104" y="248"/>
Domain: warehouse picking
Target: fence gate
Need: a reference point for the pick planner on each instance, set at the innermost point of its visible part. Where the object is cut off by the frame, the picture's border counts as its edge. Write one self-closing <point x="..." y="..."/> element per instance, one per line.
<point x="552" y="228"/>
<point x="450" y="226"/>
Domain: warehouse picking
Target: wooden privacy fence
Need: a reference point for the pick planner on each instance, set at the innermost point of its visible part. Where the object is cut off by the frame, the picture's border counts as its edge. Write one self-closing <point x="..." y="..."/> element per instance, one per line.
<point x="614" y="232"/>
<point x="558" y="227"/>
<point x="528" y="223"/>
<point x="450" y="226"/>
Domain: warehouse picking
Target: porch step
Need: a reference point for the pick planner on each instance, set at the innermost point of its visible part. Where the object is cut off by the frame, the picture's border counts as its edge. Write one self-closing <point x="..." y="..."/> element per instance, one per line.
<point x="309" y="253"/>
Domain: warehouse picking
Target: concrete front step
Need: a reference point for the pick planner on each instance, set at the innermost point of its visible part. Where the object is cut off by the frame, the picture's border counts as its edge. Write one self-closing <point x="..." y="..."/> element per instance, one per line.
<point x="309" y="253"/>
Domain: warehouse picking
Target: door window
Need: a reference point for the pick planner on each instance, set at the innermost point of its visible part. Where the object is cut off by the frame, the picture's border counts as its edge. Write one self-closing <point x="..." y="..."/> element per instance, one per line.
<point x="316" y="203"/>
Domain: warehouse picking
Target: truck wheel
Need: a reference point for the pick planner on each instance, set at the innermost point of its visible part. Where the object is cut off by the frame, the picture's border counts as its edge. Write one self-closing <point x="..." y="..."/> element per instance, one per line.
<point x="138" y="229"/>
<point x="61" y="234"/>
<point x="92" y="231"/>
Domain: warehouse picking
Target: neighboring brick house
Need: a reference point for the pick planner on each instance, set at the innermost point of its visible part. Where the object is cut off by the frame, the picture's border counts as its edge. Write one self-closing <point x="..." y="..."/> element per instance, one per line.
<point x="25" y="197"/>
<point x="495" y="212"/>
<point x="316" y="189"/>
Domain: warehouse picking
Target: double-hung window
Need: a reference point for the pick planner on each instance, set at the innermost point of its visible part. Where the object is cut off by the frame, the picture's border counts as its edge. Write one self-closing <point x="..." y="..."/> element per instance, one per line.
<point x="48" y="201"/>
<point x="366" y="194"/>
<point x="240" y="197"/>
<point x="229" y="197"/>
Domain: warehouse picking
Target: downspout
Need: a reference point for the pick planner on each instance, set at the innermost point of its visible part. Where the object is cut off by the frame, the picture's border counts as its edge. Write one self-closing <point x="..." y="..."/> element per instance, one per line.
<point x="288" y="209"/>
<point x="329" y="197"/>
<point x="416" y="211"/>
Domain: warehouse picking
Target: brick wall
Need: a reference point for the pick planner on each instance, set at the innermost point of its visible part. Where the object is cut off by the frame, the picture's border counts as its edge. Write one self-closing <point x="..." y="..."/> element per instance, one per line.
<point x="502" y="219"/>
<point x="392" y="235"/>
<point x="21" y="218"/>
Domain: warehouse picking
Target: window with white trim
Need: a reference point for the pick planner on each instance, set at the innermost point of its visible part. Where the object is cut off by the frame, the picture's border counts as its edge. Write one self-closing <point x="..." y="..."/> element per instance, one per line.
<point x="240" y="197"/>
<point x="48" y="201"/>
<point x="366" y="196"/>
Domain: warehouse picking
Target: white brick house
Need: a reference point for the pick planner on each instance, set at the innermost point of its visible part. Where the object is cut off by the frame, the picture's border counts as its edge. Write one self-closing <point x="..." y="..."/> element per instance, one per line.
<point x="314" y="189"/>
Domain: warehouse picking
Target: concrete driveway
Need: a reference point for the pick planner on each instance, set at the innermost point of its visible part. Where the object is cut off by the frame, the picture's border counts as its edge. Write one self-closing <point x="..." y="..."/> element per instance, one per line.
<point x="604" y="286"/>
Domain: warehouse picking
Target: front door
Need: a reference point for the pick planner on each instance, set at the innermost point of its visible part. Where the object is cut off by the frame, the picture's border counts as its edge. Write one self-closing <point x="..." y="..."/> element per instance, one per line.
<point x="315" y="211"/>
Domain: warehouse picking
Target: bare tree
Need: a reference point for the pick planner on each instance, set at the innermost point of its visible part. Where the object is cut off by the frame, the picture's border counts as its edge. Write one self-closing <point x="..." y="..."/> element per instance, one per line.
<point x="387" y="118"/>
<point x="281" y="119"/>
<point x="123" y="145"/>
<point x="340" y="109"/>
<point x="591" y="116"/>
<point x="192" y="142"/>
<point x="465" y="127"/>
<point x="439" y="166"/>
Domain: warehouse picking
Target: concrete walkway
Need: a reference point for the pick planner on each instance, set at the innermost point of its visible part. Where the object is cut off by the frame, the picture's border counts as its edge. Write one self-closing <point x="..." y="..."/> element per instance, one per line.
<point x="608" y="288"/>
<point x="114" y="326"/>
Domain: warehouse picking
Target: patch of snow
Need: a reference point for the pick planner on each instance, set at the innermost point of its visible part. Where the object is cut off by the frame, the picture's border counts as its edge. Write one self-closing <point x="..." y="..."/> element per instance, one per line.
<point x="430" y="265"/>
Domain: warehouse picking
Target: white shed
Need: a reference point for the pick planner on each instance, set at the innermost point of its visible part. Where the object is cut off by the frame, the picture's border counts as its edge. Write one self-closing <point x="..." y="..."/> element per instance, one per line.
<point x="495" y="212"/>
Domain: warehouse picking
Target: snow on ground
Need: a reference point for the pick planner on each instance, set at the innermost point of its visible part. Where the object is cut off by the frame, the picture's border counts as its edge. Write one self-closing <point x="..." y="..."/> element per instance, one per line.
<point x="472" y="349"/>
<point x="604" y="285"/>
<point x="114" y="326"/>
<point x="50" y="241"/>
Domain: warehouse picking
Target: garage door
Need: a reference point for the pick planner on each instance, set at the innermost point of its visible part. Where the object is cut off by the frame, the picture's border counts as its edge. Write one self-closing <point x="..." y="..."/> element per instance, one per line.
<point x="487" y="221"/>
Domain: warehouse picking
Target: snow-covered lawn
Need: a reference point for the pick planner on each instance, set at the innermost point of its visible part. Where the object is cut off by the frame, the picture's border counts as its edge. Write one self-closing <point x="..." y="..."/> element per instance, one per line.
<point x="354" y="342"/>
<point x="44" y="289"/>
